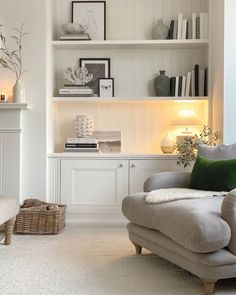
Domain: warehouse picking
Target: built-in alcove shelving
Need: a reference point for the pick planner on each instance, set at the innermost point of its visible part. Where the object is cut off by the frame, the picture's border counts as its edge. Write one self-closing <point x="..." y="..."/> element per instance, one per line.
<point x="136" y="59"/>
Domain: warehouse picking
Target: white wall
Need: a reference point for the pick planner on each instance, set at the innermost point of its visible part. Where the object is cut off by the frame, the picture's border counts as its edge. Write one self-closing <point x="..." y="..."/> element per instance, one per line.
<point x="230" y="73"/>
<point x="32" y="13"/>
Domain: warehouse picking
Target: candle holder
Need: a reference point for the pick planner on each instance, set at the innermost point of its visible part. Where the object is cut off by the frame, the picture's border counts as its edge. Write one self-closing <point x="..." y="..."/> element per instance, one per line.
<point x="3" y="97"/>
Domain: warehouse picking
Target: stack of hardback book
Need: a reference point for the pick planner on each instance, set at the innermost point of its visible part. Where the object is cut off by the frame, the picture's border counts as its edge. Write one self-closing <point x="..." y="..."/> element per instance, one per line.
<point x="83" y="144"/>
<point x="195" y="83"/>
<point x="76" y="90"/>
<point x="75" y="37"/>
<point x="194" y="28"/>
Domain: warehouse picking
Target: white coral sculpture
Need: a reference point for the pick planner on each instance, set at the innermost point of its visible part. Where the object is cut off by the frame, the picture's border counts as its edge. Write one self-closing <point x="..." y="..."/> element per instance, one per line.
<point x="78" y="75"/>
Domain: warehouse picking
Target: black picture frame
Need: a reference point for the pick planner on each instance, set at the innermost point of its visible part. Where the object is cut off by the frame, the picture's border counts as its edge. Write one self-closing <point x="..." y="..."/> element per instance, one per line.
<point x="92" y="66"/>
<point x="112" y="85"/>
<point x="90" y="2"/>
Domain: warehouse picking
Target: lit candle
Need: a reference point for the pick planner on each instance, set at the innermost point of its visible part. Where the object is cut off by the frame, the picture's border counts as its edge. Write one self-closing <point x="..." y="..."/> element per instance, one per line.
<point x="3" y="97"/>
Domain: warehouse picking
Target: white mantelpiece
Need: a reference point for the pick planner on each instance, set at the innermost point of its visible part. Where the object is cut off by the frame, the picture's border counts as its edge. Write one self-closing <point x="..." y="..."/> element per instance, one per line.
<point x="10" y="148"/>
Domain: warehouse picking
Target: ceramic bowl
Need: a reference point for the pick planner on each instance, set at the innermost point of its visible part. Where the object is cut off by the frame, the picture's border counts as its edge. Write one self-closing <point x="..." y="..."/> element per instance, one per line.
<point x="73" y="28"/>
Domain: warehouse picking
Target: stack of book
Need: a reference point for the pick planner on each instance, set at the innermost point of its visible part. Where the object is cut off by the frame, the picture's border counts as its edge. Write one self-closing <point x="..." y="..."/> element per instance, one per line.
<point x="194" y="28"/>
<point x="76" y="90"/>
<point x="195" y="83"/>
<point x="84" y="145"/>
<point x="75" y="37"/>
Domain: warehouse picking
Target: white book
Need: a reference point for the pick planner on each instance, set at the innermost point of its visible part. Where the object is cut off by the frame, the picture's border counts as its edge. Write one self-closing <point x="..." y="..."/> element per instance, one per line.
<point x="202" y="26"/>
<point x="82" y="140"/>
<point x="183" y="86"/>
<point x="184" y="29"/>
<point x="201" y="82"/>
<point x="188" y="84"/>
<point x="180" y="21"/>
<point x="206" y="25"/>
<point x="193" y="83"/>
<point x="177" y="87"/>
<point x="194" y="25"/>
<point x="75" y="91"/>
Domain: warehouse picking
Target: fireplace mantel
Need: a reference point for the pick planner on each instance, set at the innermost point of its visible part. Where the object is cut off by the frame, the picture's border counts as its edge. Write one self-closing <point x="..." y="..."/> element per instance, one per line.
<point x="10" y="147"/>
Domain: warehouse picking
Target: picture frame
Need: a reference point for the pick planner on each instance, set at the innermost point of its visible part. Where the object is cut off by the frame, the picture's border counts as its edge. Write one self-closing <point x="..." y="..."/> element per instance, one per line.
<point x="106" y="87"/>
<point x="99" y="67"/>
<point x="92" y="15"/>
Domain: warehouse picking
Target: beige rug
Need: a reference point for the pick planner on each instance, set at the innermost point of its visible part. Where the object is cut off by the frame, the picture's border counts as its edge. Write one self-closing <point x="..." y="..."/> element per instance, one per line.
<point x="91" y="261"/>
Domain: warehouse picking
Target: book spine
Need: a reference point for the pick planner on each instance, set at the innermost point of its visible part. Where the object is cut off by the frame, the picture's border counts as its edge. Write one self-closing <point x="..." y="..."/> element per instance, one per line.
<point x="193" y="83"/>
<point x="188" y="84"/>
<point x="183" y="86"/>
<point x="81" y="145"/>
<point x="194" y="26"/>
<point x="180" y="86"/>
<point x="206" y="82"/>
<point x="175" y="34"/>
<point x="184" y="29"/>
<point x="202" y="25"/>
<point x="172" y="86"/>
<point x="190" y="29"/>
<point x="196" y="70"/>
<point x="206" y="25"/>
<point x="172" y="24"/>
<point x="180" y="21"/>
<point x="198" y="27"/>
<point x="201" y="82"/>
<point x="176" y="86"/>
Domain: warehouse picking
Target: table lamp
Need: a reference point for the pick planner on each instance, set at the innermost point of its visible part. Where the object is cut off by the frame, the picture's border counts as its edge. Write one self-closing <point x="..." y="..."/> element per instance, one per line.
<point x="186" y="119"/>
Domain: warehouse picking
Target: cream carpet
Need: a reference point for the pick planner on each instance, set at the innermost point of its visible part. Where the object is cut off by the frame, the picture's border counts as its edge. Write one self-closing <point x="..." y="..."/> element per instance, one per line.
<point x="91" y="261"/>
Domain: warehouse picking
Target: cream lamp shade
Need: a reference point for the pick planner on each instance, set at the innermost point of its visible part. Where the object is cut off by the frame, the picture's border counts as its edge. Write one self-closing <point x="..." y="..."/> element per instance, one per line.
<point x="186" y="118"/>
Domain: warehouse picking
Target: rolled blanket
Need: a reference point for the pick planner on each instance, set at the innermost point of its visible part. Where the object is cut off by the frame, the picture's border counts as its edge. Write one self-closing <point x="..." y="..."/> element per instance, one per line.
<point x="175" y="194"/>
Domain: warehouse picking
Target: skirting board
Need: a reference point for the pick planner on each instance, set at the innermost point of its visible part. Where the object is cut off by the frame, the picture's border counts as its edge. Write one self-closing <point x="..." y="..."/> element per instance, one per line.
<point x="96" y="220"/>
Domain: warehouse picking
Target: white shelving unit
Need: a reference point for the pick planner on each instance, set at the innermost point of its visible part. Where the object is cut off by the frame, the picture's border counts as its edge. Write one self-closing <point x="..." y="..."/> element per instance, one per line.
<point x="129" y="44"/>
<point x="142" y="118"/>
<point x="148" y="99"/>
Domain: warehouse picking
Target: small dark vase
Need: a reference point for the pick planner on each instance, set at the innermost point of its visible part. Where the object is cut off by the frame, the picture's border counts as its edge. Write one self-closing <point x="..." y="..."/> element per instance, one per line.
<point x="162" y="84"/>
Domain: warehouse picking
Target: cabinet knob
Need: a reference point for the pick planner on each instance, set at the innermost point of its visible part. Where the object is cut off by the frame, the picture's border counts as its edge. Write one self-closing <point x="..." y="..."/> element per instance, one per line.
<point x="133" y="165"/>
<point x="122" y="165"/>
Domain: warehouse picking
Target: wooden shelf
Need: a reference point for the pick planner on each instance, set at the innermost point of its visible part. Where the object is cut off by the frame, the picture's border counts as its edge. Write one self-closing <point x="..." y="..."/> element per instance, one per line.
<point x="15" y="106"/>
<point x="129" y="44"/>
<point x="127" y="100"/>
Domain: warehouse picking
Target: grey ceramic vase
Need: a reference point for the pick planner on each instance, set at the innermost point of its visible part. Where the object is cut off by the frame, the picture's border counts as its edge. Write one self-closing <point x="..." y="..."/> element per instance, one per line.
<point x="160" y="31"/>
<point x="162" y="85"/>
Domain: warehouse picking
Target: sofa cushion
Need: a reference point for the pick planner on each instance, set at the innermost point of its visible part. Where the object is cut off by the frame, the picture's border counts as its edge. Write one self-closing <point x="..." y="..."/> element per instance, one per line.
<point x="194" y="224"/>
<point x="212" y="175"/>
<point x="9" y="208"/>
<point x="219" y="152"/>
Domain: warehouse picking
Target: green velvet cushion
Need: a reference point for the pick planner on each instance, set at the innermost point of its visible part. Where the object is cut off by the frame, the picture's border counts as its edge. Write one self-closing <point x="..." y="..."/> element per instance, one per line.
<point x="213" y="175"/>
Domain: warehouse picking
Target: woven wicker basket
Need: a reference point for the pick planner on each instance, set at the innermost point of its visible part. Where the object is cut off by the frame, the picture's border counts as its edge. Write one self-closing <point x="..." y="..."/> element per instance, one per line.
<point x="34" y="220"/>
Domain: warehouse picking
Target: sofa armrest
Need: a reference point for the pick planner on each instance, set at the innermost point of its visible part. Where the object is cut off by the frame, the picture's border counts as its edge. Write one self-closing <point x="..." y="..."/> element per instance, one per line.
<point x="228" y="213"/>
<point x="167" y="180"/>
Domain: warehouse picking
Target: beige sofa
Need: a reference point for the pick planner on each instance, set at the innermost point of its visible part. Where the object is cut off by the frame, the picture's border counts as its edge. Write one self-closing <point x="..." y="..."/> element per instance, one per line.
<point x="198" y="235"/>
<point x="9" y="208"/>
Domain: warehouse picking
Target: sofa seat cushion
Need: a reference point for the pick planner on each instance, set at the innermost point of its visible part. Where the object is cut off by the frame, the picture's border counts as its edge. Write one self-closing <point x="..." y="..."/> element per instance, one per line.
<point x="9" y="208"/>
<point x="194" y="224"/>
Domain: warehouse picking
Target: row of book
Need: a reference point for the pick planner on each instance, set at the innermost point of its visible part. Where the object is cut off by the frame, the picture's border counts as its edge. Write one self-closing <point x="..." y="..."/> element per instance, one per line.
<point x="195" y="83"/>
<point x="82" y="145"/>
<point x="194" y="28"/>
<point x="76" y="90"/>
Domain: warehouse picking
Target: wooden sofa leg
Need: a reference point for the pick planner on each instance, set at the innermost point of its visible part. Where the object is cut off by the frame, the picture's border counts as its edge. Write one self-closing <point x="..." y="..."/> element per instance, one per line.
<point x="9" y="226"/>
<point x="138" y="249"/>
<point x="208" y="286"/>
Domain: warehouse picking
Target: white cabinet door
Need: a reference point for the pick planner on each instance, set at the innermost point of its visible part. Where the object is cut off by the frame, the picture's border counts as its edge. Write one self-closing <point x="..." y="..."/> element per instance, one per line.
<point x="140" y="170"/>
<point x="10" y="164"/>
<point x="94" y="186"/>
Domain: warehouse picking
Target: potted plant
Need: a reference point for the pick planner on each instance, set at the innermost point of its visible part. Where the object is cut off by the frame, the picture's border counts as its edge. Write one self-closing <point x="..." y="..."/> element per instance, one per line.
<point x="12" y="60"/>
<point x="187" y="150"/>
